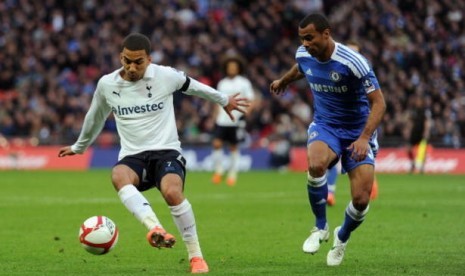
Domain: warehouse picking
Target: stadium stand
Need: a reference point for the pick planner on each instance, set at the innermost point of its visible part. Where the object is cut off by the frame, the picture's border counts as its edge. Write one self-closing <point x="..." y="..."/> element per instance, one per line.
<point x="52" y="52"/>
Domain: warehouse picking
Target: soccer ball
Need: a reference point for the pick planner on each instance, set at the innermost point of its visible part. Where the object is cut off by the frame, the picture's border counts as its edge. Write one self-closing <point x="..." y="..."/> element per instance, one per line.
<point x="98" y="235"/>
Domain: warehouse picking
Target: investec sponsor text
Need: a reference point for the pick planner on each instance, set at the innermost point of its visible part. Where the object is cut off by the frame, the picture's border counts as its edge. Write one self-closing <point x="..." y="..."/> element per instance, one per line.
<point x="121" y="111"/>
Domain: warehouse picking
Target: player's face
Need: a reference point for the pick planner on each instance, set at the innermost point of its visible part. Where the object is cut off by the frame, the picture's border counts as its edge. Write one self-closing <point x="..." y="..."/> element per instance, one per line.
<point x="134" y="64"/>
<point x="315" y="43"/>
<point x="232" y="68"/>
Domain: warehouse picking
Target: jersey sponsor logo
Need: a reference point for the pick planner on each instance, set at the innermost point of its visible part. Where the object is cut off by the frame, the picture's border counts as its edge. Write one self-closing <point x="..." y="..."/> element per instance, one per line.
<point x="137" y="109"/>
<point x="335" y="76"/>
<point x="316" y="87"/>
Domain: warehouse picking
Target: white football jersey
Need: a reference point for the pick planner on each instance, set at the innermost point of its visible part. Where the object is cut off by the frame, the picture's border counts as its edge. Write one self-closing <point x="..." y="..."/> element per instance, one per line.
<point x="143" y="110"/>
<point x="229" y="87"/>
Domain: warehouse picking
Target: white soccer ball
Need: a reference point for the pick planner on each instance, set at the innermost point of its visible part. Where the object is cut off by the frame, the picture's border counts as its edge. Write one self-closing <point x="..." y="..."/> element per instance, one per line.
<point x="98" y="235"/>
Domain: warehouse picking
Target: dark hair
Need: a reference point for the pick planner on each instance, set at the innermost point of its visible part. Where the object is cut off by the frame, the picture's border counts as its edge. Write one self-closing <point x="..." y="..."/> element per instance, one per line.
<point x="137" y="41"/>
<point x="233" y="58"/>
<point x="320" y="21"/>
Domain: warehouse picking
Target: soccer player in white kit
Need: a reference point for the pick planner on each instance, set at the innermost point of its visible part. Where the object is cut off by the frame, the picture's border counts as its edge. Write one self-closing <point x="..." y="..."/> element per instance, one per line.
<point x="227" y="131"/>
<point x="140" y="96"/>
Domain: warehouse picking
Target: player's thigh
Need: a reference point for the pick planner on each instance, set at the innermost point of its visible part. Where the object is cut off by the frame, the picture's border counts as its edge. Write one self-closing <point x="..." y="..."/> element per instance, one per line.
<point x="361" y="182"/>
<point x="233" y="147"/>
<point x="171" y="178"/>
<point x="122" y="175"/>
<point x="319" y="154"/>
<point x="129" y="170"/>
<point x="171" y="188"/>
<point x="323" y="149"/>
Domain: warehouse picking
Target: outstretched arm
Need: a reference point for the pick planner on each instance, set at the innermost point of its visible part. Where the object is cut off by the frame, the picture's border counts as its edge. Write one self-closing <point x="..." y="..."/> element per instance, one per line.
<point x="228" y="103"/>
<point x="278" y="86"/>
<point x="93" y="124"/>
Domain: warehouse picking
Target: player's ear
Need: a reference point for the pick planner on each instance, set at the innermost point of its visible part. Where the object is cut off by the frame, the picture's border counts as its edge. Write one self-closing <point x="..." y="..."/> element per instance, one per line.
<point x="121" y="58"/>
<point x="327" y="32"/>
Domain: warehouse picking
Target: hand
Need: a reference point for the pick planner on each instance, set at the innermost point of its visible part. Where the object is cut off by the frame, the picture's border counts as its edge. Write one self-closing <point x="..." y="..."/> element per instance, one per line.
<point x="359" y="149"/>
<point x="277" y="87"/>
<point x="66" y="151"/>
<point x="235" y="103"/>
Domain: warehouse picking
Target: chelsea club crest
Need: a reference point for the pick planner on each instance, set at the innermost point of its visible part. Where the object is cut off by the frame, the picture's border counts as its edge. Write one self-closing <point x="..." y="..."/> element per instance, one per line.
<point x="335" y="76"/>
<point x="313" y="134"/>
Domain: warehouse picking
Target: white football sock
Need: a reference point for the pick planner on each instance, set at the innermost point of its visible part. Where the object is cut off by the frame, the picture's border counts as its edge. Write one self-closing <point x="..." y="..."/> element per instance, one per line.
<point x="234" y="164"/>
<point x="184" y="219"/>
<point x="217" y="157"/>
<point x="138" y="205"/>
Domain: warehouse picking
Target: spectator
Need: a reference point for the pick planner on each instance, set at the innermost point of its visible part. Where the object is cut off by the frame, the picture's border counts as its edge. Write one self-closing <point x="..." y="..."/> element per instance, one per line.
<point x="54" y="57"/>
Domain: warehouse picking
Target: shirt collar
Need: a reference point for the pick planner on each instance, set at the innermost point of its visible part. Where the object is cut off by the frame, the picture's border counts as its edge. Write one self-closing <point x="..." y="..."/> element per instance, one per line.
<point x="149" y="73"/>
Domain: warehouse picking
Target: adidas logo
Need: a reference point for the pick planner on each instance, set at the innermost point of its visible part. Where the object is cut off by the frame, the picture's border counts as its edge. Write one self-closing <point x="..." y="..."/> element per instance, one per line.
<point x="321" y="201"/>
<point x="309" y="72"/>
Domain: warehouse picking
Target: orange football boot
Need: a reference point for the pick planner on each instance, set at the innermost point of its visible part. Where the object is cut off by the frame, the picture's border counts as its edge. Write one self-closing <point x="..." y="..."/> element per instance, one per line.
<point x="216" y="179"/>
<point x="231" y="181"/>
<point x="158" y="237"/>
<point x="198" y="265"/>
<point x="331" y="200"/>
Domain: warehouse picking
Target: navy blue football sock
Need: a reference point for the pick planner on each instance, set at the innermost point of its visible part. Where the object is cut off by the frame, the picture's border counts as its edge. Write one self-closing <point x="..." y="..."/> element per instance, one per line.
<point x="317" y="195"/>
<point x="353" y="218"/>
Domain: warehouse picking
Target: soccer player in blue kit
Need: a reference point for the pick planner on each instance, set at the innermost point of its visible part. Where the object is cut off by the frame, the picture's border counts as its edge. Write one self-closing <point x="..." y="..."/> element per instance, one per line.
<point x="348" y="107"/>
<point x="334" y="171"/>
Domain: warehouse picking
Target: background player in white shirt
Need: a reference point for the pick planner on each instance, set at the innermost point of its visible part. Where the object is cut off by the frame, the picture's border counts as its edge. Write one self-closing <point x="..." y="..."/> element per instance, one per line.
<point x="227" y="131"/>
<point x="140" y="96"/>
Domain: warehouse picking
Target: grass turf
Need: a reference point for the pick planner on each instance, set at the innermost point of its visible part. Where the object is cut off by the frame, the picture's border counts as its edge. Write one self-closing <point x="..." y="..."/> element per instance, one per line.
<point x="415" y="227"/>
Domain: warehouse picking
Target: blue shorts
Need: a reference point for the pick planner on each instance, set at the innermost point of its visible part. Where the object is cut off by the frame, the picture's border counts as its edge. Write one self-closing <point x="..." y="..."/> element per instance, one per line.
<point x="338" y="139"/>
<point x="151" y="166"/>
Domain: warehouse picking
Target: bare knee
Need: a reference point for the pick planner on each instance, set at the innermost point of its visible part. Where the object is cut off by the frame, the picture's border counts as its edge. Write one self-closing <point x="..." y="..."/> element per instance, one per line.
<point x="122" y="175"/>
<point x="361" y="179"/>
<point x="317" y="168"/>
<point x="319" y="156"/>
<point x="360" y="199"/>
<point x="171" y="189"/>
<point x="217" y="143"/>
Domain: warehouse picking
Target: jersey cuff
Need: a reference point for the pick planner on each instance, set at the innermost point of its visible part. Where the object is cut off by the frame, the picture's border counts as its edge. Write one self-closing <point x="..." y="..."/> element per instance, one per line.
<point x="186" y="84"/>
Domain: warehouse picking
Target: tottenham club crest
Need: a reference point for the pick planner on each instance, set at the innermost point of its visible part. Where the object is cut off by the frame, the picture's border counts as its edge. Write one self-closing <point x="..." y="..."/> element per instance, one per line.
<point x="149" y="88"/>
<point x="335" y="76"/>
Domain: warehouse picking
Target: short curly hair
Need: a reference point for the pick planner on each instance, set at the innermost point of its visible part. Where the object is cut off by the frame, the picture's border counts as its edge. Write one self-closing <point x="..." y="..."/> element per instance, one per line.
<point x="319" y="20"/>
<point x="137" y="41"/>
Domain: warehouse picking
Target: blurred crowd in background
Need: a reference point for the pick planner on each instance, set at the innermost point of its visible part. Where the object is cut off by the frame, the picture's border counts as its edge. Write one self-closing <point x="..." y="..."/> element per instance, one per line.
<point x="53" y="52"/>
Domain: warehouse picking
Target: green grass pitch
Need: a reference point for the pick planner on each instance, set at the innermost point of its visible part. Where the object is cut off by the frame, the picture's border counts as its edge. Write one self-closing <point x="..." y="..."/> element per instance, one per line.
<point x="415" y="227"/>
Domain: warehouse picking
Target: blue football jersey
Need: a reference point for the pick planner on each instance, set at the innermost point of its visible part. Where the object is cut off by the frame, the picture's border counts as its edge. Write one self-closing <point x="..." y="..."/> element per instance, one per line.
<point x="340" y="87"/>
